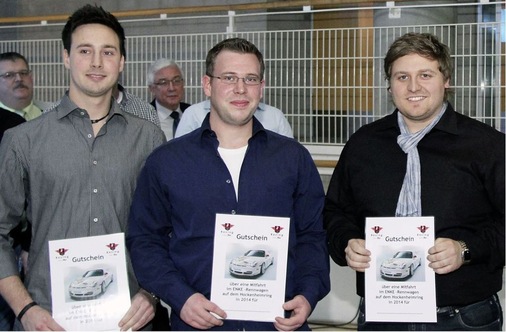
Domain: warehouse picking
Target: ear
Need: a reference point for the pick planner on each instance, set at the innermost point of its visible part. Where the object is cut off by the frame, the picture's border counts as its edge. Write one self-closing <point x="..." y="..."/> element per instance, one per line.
<point x="121" y="63"/>
<point x="447" y="84"/>
<point x="206" y="85"/>
<point x="66" y="58"/>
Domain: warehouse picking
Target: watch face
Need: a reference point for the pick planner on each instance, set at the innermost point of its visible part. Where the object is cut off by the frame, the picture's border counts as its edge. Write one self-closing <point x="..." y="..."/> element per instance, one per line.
<point x="467" y="255"/>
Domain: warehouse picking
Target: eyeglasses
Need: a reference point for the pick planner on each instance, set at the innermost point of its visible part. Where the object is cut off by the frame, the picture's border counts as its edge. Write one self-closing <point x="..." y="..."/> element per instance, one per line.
<point x="164" y="82"/>
<point x="10" y="75"/>
<point x="232" y="79"/>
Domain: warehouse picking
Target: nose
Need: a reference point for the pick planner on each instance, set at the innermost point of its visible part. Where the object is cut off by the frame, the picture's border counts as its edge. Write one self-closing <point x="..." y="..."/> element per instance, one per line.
<point x="18" y="77"/>
<point x="96" y="61"/>
<point x="240" y="87"/>
<point x="413" y="85"/>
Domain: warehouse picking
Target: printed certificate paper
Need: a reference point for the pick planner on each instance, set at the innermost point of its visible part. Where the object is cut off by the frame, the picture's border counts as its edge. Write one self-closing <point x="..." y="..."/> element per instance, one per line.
<point x="399" y="285"/>
<point x="249" y="266"/>
<point x="89" y="283"/>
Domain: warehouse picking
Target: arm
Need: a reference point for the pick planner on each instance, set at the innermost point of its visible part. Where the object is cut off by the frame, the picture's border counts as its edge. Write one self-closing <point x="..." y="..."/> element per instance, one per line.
<point x="35" y="318"/>
<point x="340" y="218"/>
<point x="13" y="186"/>
<point x="311" y="257"/>
<point x="148" y="239"/>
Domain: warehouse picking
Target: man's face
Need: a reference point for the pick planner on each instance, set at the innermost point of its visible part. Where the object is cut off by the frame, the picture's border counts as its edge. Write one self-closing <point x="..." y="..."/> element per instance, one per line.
<point x="16" y="91"/>
<point x="168" y="87"/>
<point x="94" y="61"/>
<point x="235" y="103"/>
<point x="417" y="88"/>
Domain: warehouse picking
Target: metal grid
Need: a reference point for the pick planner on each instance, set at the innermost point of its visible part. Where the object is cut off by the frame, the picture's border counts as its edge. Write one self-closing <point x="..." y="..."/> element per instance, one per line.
<point x="328" y="82"/>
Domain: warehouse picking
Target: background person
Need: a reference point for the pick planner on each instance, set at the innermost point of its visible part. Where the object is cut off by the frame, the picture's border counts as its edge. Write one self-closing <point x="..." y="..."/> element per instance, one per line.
<point x="231" y="164"/>
<point x="132" y="104"/>
<point x="270" y="117"/>
<point x="166" y="82"/>
<point x="16" y="107"/>
<point x="425" y="159"/>
<point x="78" y="150"/>
<point x="16" y="92"/>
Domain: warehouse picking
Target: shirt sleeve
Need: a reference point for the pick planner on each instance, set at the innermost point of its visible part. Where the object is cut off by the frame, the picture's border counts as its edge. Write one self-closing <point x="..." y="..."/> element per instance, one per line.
<point x="148" y="240"/>
<point x="12" y="201"/>
<point x="312" y="259"/>
<point x="339" y="214"/>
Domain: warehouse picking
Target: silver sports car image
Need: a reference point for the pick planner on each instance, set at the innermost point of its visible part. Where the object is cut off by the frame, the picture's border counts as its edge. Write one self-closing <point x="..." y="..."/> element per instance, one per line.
<point x="92" y="284"/>
<point x="252" y="263"/>
<point x="402" y="265"/>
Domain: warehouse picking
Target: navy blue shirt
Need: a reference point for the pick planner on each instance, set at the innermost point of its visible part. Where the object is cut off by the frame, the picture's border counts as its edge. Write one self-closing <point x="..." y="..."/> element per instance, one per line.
<point x="185" y="183"/>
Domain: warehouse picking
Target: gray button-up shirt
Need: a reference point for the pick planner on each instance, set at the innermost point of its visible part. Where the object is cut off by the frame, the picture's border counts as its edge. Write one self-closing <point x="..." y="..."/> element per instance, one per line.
<point x="71" y="183"/>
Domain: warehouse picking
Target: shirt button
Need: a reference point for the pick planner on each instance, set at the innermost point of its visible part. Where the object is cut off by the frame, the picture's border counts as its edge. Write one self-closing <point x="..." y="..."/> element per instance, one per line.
<point x="82" y="113"/>
<point x="89" y="135"/>
<point x="95" y="191"/>
<point x="95" y="162"/>
<point x="233" y="212"/>
<point x="228" y="181"/>
<point x="95" y="219"/>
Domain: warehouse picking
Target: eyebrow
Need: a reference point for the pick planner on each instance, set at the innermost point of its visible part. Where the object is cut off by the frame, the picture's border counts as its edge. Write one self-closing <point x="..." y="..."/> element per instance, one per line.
<point x="418" y="71"/>
<point x="92" y="46"/>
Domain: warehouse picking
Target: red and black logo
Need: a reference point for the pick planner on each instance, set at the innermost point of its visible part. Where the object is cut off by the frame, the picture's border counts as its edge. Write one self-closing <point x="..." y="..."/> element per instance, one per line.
<point x="423" y="228"/>
<point x="61" y="251"/>
<point x="277" y="229"/>
<point x="227" y="226"/>
<point x="112" y="246"/>
<point x="376" y="229"/>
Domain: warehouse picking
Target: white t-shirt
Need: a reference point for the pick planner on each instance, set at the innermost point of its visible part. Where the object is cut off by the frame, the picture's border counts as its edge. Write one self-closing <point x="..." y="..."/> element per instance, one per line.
<point x="233" y="158"/>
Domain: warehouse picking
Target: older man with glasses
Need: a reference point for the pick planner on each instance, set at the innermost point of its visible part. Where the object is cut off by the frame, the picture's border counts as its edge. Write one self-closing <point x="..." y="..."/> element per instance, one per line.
<point x="16" y="92"/>
<point x="166" y="83"/>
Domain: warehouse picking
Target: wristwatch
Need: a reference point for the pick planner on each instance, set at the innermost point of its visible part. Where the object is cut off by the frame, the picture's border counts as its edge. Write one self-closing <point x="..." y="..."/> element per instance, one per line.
<point x="465" y="253"/>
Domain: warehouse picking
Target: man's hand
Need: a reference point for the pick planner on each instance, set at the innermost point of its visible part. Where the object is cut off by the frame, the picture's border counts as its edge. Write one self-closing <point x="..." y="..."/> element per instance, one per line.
<point x="141" y="312"/>
<point x="300" y="309"/>
<point x="198" y="312"/>
<point x="357" y="256"/>
<point x="39" y="319"/>
<point x="445" y="256"/>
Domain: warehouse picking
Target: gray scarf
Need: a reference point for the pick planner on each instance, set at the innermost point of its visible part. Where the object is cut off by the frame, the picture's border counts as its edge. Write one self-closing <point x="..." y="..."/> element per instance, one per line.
<point x="410" y="197"/>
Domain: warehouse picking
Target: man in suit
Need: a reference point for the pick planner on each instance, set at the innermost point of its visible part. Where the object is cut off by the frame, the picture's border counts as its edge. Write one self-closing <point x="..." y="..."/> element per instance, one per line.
<point x="166" y="83"/>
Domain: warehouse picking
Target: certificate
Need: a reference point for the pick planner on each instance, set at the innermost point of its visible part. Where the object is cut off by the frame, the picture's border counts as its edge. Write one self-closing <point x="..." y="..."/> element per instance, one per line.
<point x="249" y="266"/>
<point x="399" y="285"/>
<point x="89" y="283"/>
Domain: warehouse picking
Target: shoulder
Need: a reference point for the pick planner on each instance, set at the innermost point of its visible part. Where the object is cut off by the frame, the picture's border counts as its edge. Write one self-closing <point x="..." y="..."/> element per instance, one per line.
<point x="183" y="106"/>
<point x="270" y="109"/>
<point x="467" y="125"/>
<point x="200" y="108"/>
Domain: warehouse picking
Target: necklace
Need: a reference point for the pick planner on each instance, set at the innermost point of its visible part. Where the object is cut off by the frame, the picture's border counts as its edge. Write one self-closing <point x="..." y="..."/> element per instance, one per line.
<point x="98" y="120"/>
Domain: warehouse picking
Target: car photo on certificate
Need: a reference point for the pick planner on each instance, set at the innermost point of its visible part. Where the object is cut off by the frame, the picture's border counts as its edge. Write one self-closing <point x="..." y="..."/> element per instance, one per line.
<point x="92" y="284"/>
<point x="401" y="266"/>
<point x="252" y="263"/>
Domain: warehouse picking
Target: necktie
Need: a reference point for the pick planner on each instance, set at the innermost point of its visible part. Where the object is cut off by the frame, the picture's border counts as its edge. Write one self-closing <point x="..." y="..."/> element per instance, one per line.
<point x="175" y="116"/>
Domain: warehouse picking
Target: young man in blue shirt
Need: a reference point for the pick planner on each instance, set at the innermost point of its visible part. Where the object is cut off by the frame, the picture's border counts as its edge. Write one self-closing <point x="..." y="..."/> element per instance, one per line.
<point x="230" y="165"/>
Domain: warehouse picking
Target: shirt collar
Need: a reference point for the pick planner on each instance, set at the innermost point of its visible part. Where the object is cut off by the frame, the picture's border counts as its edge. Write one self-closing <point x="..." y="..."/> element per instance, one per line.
<point x="67" y="106"/>
<point x="205" y="128"/>
<point x="164" y="112"/>
<point x="448" y="121"/>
